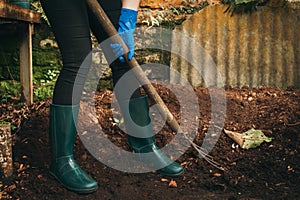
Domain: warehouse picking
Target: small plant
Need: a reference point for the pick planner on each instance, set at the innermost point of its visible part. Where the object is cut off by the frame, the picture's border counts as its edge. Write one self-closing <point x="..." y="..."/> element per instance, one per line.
<point x="171" y="16"/>
<point x="43" y="92"/>
<point x="9" y="89"/>
<point x="36" y="6"/>
<point x="45" y="85"/>
<point x="243" y="6"/>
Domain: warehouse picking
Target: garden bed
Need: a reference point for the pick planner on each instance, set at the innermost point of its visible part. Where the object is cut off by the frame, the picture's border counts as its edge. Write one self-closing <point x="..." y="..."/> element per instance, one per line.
<point x="270" y="171"/>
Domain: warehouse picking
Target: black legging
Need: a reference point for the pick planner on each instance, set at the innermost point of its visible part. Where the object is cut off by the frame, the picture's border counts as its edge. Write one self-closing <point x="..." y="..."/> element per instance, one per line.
<point x="71" y="21"/>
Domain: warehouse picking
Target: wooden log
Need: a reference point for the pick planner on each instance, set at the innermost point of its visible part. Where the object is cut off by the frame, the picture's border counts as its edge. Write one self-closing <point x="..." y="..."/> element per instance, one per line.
<point x="6" y="164"/>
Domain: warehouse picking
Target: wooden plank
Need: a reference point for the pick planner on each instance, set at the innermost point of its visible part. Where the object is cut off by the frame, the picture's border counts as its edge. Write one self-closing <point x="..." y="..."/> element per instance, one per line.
<point x="26" y="63"/>
<point x="10" y="11"/>
<point x="6" y="163"/>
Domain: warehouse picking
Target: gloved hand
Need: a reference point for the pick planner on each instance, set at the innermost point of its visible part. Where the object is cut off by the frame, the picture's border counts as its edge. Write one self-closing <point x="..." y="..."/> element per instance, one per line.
<point x="127" y="25"/>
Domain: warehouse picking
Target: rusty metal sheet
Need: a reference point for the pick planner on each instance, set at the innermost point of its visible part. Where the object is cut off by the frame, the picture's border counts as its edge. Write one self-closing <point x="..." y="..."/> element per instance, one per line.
<point x="262" y="48"/>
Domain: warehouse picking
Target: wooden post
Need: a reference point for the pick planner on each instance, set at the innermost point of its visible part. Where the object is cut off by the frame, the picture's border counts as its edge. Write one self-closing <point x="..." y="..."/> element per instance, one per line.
<point x="25" y="19"/>
<point x="6" y="164"/>
<point x="26" y="63"/>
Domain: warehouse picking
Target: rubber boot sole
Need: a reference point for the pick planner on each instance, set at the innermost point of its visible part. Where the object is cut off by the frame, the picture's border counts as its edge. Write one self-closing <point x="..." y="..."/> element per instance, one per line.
<point x="88" y="191"/>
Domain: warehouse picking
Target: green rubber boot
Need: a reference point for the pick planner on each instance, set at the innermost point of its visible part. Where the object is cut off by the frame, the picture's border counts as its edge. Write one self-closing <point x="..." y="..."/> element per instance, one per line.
<point x="63" y="119"/>
<point x="141" y="139"/>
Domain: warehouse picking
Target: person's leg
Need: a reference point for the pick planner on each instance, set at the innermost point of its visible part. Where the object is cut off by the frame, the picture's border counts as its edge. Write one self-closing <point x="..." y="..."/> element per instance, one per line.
<point x="118" y="68"/>
<point x="69" y="21"/>
<point x="135" y="109"/>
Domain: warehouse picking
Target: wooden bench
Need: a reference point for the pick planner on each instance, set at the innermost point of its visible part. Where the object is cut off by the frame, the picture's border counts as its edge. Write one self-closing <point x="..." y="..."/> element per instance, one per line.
<point x="21" y="20"/>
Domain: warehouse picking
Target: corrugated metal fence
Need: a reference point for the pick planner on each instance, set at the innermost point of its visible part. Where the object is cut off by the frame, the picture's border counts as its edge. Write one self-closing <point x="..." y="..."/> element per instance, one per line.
<point x="262" y="48"/>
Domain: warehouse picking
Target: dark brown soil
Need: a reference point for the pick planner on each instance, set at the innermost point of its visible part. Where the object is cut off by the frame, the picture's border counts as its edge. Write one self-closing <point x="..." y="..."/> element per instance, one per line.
<point x="271" y="171"/>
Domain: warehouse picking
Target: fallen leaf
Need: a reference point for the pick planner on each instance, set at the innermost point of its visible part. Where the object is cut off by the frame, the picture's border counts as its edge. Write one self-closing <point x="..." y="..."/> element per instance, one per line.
<point x="173" y="184"/>
<point x="253" y="138"/>
<point x="184" y="163"/>
<point x="12" y="187"/>
<point x="217" y="174"/>
<point x="249" y="139"/>
<point x="164" y="180"/>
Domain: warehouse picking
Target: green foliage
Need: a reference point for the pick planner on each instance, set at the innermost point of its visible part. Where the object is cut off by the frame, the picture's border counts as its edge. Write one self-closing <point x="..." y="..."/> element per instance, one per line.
<point x="43" y="92"/>
<point x="43" y="87"/>
<point x="46" y="66"/>
<point x="243" y="6"/>
<point x="187" y="10"/>
<point x="9" y="89"/>
<point x="45" y="84"/>
<point x="36" y="6"/>
<point x="170" y="17"/>
<point x="46" y="57"/>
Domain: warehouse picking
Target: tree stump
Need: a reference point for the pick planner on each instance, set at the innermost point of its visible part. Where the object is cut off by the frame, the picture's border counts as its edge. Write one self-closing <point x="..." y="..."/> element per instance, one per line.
<point x="6" y="166"/>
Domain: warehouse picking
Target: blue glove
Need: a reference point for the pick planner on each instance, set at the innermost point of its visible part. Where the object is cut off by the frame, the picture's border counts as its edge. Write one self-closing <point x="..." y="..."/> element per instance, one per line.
<point x="127" y="25"/>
